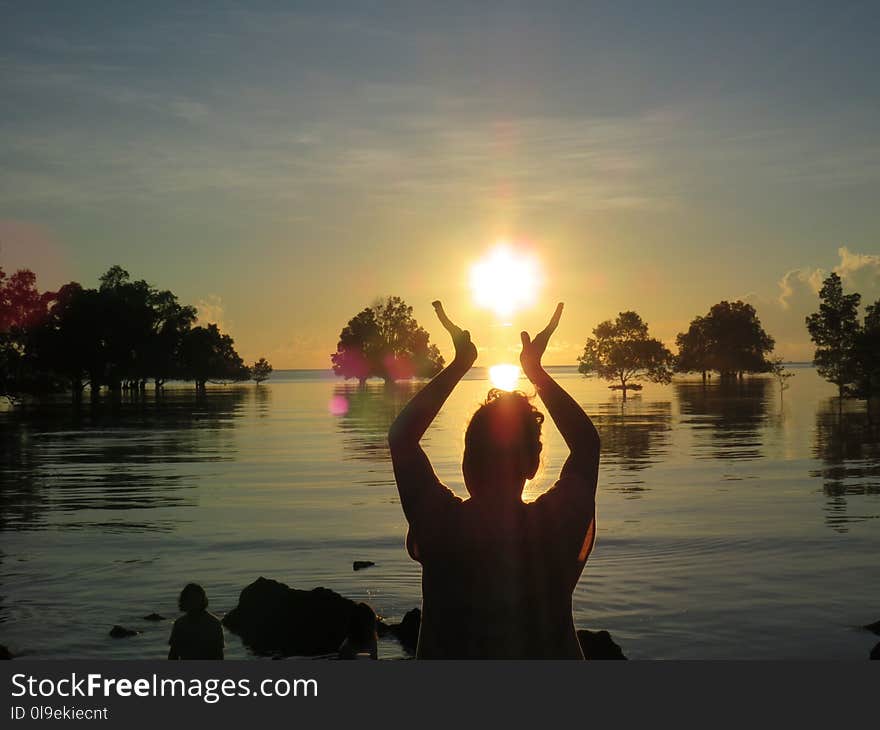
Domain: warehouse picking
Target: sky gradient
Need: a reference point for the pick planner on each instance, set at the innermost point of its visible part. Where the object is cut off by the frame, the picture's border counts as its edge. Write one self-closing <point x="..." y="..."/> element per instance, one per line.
<point x="282" y="165"/>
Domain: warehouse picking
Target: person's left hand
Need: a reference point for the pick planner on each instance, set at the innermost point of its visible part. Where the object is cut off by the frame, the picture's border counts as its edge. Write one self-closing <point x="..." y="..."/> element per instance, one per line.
<point x="533" y="349"/>
<point x="465" y="351"/>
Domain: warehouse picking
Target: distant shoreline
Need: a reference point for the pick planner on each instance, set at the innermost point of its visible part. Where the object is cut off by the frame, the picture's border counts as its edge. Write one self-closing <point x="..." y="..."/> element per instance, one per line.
<point x="554" y="368"/>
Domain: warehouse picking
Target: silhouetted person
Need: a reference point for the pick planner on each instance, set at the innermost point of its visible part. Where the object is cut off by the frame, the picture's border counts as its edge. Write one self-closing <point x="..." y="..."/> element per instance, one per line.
<point x="361" y="642"/>
<point x="198" y="634"/>
<point x="497" y="573"/>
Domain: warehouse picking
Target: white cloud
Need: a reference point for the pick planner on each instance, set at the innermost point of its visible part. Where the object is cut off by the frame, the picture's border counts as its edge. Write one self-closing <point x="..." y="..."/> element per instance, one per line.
<point x="798" y="297"/>
<point x="211" y="311"/>
<point x="860" y="272"/>
<point x="799" y="283"/>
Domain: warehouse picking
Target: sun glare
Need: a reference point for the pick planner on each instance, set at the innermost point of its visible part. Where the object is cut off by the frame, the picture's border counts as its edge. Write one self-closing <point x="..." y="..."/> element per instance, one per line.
<point x="504" y="376"/>
<point x="505" y="280"/>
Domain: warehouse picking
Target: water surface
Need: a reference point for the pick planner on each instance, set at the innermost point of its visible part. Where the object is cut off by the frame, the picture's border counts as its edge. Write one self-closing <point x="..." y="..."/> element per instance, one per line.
<point x="730" y="525"/>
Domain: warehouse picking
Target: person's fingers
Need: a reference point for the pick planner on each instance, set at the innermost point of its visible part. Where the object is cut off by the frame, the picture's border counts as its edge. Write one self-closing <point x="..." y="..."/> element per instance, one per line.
<point x="466" y="335"/>
<point x="524" y="336"/>
<point x="444" y="320"/>
<point x="544" y="335"/>
<point x="554" y="320"/>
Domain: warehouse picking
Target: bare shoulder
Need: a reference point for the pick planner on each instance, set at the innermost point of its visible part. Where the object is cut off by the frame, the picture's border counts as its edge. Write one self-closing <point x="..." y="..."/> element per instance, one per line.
<point x="570" y="484"/>
<point x="570" y="501"/>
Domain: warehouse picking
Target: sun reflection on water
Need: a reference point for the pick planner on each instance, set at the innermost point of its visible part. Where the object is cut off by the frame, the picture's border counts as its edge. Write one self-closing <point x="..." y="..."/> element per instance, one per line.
<point x="504" y="376"/>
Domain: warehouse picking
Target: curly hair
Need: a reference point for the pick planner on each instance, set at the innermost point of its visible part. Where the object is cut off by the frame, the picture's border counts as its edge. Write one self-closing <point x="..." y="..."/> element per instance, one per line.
<point x="502" y="441"/>
<point x="192" y="599"/>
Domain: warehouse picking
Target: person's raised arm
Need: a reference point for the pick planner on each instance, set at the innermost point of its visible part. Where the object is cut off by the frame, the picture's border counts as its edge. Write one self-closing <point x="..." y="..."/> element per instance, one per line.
<point x="412" y="470"/>
<point x="575" y="426"/>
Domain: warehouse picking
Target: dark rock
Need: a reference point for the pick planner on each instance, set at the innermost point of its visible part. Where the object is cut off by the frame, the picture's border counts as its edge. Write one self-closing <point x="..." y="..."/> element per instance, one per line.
<point x="875" y="652"/>
<point x="598" y="645"/>
<point x="362" y="564"/>
<point x="154" y="617"/>
<point x="873" y="628"/>
<point x="120" y="632"/>
<point x="5" y="653"/>
<point x="407" y="631"/>
<point x="273" y="618"/>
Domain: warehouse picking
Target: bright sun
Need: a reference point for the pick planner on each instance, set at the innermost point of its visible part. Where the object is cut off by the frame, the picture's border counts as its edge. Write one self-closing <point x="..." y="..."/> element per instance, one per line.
<point x="504" y="376"/>
<point x="505" y="280"/>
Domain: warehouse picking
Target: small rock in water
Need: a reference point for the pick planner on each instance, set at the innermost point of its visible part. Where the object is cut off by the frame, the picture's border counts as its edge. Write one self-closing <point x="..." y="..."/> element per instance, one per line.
<point x="154" y="617"/>
<point x="362" y="564"/>
<point x="5" y="653"/>
<point x="875" y="652"/>
<point x="599" y="645"/>
<point x="120" y="632"/>
<point x="407" y="631"/>
<point x="873" y="628"/>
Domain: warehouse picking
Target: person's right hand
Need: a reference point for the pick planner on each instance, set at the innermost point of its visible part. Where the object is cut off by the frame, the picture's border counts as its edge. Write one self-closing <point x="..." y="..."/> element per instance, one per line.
<point x="533" y="349"/>
<point x="465" y="351"/>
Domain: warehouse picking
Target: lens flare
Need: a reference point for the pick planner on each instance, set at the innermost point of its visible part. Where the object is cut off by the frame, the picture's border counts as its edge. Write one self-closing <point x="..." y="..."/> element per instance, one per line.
<point x="504" y="376"/>
<point x="506" y="280"/>
<point x="338" y="405"/>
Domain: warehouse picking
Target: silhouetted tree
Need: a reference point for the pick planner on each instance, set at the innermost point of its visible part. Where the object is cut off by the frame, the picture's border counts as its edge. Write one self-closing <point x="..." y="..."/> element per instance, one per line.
<point x="694" y="349"/>
<point x="21" y="304"/>
<point x="385" y="341"/>
<point x="866" y="352"/>
<point x="22" y="309"/>
<point x="209" y="355"/>
<point x="128" y="319"/>
<point x="71" y="341"/>
<point x="171" y="322"/>
<point x="623" y="351"/>
<point x="729" y="340"/>
<point x="118" y="335"/>
<point x="834" y="329"/>
<point x="261" y="370"/>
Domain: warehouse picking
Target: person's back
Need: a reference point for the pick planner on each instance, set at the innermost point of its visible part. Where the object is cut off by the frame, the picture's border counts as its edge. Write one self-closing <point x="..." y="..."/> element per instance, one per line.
<point x="198" y="634"/>
<point x="497" y="573"/>
<point x="499" y="584"/>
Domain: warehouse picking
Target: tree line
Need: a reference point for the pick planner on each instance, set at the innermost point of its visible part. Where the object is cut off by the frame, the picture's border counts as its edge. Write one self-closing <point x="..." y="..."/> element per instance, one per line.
<point x="385" y="341"/>
<point x="118" y="336"/>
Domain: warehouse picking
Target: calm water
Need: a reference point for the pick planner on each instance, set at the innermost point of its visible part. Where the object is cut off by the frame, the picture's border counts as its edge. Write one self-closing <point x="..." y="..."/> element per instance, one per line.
<point x="729" y="527"/>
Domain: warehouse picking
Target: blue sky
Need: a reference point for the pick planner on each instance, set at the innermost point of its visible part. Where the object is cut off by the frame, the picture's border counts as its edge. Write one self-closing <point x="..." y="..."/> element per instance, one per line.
<point x="282" y="164"/>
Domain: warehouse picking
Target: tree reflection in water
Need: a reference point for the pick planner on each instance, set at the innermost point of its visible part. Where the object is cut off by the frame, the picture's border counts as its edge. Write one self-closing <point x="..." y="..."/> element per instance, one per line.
<point x="634" y="435"/>
<point x="366" y="413"/>
<point x="848" y="445"/>
<point x="725" y="416"/>
<point x="56" y="462"/>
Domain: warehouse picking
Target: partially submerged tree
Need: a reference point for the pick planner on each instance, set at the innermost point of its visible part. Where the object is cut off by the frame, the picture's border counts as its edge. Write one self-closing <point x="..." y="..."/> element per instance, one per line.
<point x="866" y="353"/>
<point x="385" y="341"/>
<point x="694" y="349"/>
<point x="209" y="355"/>
<point x="729" y="340"/>
<point x="22" y="310"/>
<point x="782" y="375"/>
<point x="261" y="370"/>
<point x="623" y="351"/>
<point x="118" y="335"/>
<point x="71" y="342"/>
<point x="834" y="329"/>
<point x="171" y="322"/>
